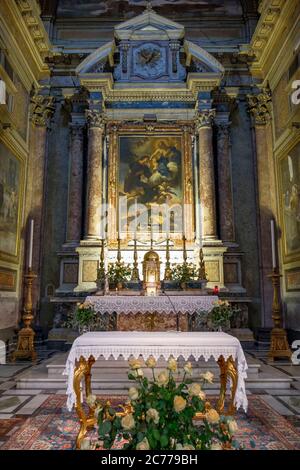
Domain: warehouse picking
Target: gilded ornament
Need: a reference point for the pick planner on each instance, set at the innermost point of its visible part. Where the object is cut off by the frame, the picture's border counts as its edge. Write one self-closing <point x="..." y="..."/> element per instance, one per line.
<point x="42" y="109"/>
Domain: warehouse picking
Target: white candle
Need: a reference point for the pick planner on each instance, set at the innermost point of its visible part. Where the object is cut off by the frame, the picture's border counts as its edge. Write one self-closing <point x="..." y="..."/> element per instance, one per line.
<point x="30" y="244"/>
<point x="273" y="244"/>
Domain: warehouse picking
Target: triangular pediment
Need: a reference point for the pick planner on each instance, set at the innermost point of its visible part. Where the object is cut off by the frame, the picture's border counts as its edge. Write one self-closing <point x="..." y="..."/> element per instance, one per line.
<point x="149" y="25"/>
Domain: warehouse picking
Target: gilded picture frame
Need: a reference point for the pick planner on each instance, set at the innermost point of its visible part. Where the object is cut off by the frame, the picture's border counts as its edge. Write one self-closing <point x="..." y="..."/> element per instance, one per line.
<point x="289" y="203"/>
<point x="154" y="132"/>
<point x="11" y="203"/>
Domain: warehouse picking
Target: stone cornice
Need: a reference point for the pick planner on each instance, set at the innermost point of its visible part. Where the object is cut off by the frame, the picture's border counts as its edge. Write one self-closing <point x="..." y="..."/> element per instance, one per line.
<point x="24" y="41"/>
<point x="259" y="107"/>
<point x="41" y="110"/>
<point x="272" y="30"/>
<point x="30" y="11"/>
<point x="188" y="93"/>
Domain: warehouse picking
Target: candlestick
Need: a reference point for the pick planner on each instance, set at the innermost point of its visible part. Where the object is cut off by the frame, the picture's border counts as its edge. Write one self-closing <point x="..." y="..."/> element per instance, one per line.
<point x="168" y="271"/>
<point x="135" y="272"/>
<point x="274" y="264"/>
<point x="279" y="343"/>
<point x="119" y="256"/>
<point x="25" y="346"/>
<point x="184" y="250"/>
<point x="30" y="244"/>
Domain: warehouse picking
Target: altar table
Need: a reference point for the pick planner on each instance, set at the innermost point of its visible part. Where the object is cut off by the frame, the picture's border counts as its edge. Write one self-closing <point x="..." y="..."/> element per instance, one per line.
<point x="147" y="313"/>
<point x="86" y="349"/>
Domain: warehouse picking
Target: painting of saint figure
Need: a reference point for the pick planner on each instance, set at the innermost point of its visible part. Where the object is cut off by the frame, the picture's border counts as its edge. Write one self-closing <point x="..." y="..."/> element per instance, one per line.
<point x="290" y="194"/>
<point x="150" y="172"/>
<point x="10" y="182"/>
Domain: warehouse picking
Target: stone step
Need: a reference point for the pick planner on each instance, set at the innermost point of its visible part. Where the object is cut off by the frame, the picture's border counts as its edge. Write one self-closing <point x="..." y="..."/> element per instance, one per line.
<point x="118" y="383"/>
<point x="98" y="371"/>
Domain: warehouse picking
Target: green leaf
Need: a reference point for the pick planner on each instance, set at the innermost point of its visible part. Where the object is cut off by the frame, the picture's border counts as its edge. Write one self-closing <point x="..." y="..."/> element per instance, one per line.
<point x="156" y="434"/>
<point x="104" y="428"/>
<point x="164" y="440"/>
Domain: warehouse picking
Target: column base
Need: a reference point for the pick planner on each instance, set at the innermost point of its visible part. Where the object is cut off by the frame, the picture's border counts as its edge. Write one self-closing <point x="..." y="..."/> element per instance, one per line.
<point x="233" y="269"/>
<point x="89" y="257"/>
<point x="68" y="268"/>
<point x="213" y="251"/>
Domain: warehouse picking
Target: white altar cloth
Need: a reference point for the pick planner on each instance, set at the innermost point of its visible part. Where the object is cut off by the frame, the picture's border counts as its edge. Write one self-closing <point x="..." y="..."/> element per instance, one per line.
<point x="156" y="344"/>
<point x="163" y="304"/>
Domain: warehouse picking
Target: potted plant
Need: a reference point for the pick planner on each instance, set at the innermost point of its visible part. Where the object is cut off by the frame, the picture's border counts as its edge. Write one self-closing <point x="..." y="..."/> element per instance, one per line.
<point x="84" y="317"/>
<point x="221" y="314"/>
<point x="183" y="273"/>
<point x="118" y="273"/>
<point x="160" y="413"/>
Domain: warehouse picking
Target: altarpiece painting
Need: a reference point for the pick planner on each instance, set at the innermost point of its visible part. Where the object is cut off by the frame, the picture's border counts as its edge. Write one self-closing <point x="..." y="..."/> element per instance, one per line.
<point x="152" y="171"/>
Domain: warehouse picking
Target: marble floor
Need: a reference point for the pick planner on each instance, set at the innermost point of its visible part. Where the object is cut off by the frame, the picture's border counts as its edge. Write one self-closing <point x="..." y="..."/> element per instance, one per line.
<point x="24" y="386"/>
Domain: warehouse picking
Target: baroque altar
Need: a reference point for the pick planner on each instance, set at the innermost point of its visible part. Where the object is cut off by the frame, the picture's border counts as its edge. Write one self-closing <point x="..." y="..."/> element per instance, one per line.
<point x="149" y="107"/>
<point x="153" y="313"/>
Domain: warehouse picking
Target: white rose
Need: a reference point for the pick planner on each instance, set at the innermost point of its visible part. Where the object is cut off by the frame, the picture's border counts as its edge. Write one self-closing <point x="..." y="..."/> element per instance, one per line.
<point x="179" y="403"/>
<point x="163" y="378"/>
<point x="138" y="373"/>
<point x="133" y="393"/>
<point x="202" y="395"/>
<point x="188" y="368"/>
<point x="135" y="364"/>
<point x="232" y="426"/>
<point x="91" y="400"/>
<point x="128" y="422"/>
<point x="85" y="444"/>
<point x="194" y="390"/>
<point x="172" y="365"/>
<point x="152" y="415"/>
<point x="208" y="377"/>
<point x="216" y="446"/>
<point x="151" y="363"/>
<point x="212" y="416"/>
<point x="188" y="447"/>
<point x="143" y="445"/>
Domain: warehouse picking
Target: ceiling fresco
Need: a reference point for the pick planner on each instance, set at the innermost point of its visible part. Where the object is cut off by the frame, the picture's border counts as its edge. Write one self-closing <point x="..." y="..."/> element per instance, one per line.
<point x="126" y="9"/>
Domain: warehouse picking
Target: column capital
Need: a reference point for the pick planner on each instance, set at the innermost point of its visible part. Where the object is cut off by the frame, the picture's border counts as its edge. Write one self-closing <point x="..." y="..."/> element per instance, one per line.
<point x="259" y="106"/>
<point x="95" y="119"/>
<point x="41" y="109"/>
<point x="205" y="118"/>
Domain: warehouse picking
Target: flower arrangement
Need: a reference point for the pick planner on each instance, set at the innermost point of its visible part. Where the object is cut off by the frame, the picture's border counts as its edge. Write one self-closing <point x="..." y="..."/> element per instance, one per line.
<point x="160" y="413"/>
<point x="84" y="317"/>
<point x="184" y="272"/>
<point x="118" y="272"/>
<point x="220" y="315"/>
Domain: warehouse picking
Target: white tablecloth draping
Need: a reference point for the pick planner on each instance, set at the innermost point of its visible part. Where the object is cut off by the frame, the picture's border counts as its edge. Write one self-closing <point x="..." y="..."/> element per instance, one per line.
<point x="157" y="344"/>
<point x="162" y="304"/>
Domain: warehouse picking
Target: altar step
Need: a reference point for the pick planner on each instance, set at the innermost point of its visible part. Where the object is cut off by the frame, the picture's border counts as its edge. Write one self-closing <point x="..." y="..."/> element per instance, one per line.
<point x="110" y="377"/>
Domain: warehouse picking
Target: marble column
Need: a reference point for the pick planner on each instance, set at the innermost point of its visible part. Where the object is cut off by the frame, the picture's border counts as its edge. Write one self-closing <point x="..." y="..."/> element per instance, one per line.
<point x="260" y="110"/>
<point x="41" y="111"/>
<point x="74" y="222"/>
<point x="226" y="214"/>
<point x="96" y="126"/>
<point x="204" y="121"/>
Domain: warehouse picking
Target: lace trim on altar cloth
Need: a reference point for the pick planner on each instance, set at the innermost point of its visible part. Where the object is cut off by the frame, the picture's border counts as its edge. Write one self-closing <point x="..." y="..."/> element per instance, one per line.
<point x="126" y="351"/>
<point x="162" y="304"/>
